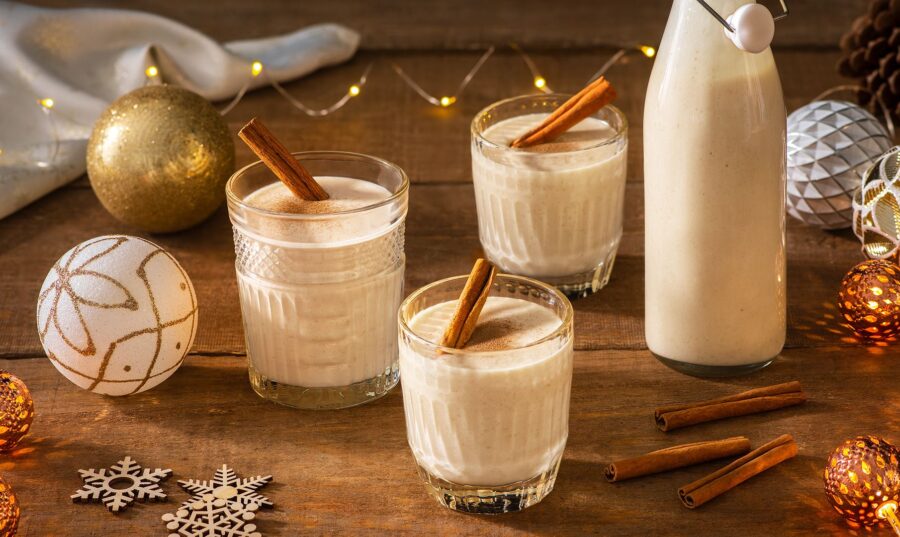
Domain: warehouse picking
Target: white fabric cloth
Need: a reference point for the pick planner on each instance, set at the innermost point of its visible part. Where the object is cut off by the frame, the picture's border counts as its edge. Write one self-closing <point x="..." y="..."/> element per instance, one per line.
<point x="84" y="59"/>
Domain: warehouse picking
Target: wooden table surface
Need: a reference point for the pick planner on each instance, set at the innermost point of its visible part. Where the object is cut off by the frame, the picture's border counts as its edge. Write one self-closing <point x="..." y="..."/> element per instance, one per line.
<point x="350" y="472"/>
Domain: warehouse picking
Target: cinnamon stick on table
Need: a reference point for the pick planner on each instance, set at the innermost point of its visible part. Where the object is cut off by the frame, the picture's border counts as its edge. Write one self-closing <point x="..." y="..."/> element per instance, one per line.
<point x="282" y="163"/>
<point x="586" y="102"/>
<point x="672" y="417"/>
<point x="757" y="461"/>
<point x="468" y="308"/>
<point x="676" y="457"/>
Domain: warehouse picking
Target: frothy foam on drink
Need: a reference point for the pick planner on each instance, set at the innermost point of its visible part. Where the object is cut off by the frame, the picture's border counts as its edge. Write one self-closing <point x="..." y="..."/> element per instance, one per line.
<point x="588" y="133"/>
<point x="504" y="323"/>
<point x="346" y="194"/>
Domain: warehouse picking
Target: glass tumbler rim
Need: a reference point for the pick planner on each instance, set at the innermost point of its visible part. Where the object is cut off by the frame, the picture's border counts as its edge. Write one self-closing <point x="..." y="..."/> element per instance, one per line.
<point x="564" y="326"/>
<point x="232" y="197"/>
<point x="621" y="130"/>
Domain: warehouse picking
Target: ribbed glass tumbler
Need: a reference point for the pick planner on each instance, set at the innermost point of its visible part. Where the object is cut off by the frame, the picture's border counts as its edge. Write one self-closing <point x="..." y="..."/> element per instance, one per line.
<point x="319" y="292"/>
<point x="487" y="428"/>
<point x="554" y="214"/>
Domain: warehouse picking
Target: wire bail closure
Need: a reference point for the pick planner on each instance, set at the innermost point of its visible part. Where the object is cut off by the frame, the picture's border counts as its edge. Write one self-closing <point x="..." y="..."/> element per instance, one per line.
<point x="785" y="11"/>
<point x="751" y="27"/>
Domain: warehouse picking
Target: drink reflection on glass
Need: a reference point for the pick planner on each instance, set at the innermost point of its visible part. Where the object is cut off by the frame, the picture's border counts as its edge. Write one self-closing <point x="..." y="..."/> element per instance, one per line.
<point x="320" y="281"/>
<point x="488" y="423"/>
<point x="552" y="211"/>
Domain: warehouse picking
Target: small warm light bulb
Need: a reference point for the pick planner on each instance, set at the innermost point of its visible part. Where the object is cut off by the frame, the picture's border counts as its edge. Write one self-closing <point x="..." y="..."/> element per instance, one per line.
<point x="256" y="68"/>
<point x="648" y="51"/>
<point x="539" y="82"/>
<point x="447" y="101"/>
<point x="152" y="72"/>
<point x="354" y="90"/>
<point x="47" y="103"/>
<point x="886" y="508"/>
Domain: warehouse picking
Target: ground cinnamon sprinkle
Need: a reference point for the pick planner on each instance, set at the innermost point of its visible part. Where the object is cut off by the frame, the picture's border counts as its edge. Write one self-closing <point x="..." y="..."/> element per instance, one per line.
<point x="493" y="335"/>
<point x="295" y="205"/>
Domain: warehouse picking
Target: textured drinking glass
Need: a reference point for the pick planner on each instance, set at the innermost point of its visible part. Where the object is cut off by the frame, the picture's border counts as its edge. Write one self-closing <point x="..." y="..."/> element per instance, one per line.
<point x="487" y="428"/>
<point x="554" y="216"/>
<point x="320" y="316"/>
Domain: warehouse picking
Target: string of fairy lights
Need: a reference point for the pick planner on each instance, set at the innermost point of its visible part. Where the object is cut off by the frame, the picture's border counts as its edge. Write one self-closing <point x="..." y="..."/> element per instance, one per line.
<point x="258" y="69"/>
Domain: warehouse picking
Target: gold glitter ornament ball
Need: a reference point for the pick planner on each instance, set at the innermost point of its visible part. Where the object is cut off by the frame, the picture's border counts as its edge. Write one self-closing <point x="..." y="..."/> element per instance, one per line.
<point x="9" y="510"/>
<point x="869" y="299"/>
<point x="158" y="158"/>
<point x="860" y="476"/>
<point x="16" y="411"/>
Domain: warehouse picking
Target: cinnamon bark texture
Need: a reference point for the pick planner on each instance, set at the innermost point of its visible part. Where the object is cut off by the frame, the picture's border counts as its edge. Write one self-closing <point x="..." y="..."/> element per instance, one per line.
<point x="757" y="461"/>
<point x="282" y="163"/>
<point x="672" y="417"/>
<point x="472" y="299"/>
<point x="676" y="457"/>
<point x="586" y="102"/>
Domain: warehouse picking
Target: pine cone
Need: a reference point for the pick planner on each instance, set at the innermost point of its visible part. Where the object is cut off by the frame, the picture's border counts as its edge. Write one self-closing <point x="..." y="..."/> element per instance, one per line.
<point x="872" y="55"/>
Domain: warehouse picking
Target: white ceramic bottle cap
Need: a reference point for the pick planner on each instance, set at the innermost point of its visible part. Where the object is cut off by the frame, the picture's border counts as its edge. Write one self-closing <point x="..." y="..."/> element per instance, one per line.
<point x="754" y="28"/>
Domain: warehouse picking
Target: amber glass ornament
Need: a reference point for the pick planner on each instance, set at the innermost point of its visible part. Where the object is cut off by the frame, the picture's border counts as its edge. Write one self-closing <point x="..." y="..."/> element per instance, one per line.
<point x="16" y="411"/>
<point x="9" y="511"/>
<point x="870" y="299"/>
<point x="862" y="480"/>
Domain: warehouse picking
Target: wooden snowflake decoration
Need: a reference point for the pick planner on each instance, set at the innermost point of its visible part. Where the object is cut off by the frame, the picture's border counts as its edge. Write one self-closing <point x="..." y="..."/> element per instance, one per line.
<point x="226" y="485"/>
<point x="213" y="517"/>
<point x="120" y="485"/>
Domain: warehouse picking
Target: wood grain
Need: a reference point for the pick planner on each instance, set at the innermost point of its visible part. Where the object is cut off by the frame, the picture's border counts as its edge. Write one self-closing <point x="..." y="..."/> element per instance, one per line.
<point x="466" y="24"/>
<point x="350" y="472"/>
<point x="442" y="240"/>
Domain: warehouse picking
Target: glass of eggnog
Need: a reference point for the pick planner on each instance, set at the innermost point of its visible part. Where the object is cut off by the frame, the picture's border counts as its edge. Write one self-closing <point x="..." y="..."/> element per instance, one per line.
<point x="320" y="281"/>
<point x="488" y="422"/>
<point x="552" y="211"/>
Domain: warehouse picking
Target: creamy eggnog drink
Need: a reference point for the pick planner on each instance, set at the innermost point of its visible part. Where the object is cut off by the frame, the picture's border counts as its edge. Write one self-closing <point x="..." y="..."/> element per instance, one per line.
<point x="487" y="423"/>
<point x="714" y="161"/>
<point x="320" y="281"/>
<point x="552" y="211"/>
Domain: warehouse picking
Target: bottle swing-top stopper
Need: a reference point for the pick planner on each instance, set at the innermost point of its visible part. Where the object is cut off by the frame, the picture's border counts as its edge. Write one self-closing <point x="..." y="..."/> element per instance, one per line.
<point x="751" y="27"/>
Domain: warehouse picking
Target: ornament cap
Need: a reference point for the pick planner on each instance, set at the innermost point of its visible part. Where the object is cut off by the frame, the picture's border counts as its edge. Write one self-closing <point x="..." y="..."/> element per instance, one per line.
<point x="754" y="28"/>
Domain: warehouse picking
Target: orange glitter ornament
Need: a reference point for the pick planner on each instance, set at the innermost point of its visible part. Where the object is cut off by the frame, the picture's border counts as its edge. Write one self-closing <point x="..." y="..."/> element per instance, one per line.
<point x="870" y="299"/>
<point x="16" y="411"/>
<point x="862" y="481"/>
<point x="9" y="511"/>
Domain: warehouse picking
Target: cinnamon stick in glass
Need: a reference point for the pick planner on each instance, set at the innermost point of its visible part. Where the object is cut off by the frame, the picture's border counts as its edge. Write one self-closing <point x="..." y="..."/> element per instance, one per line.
<point x="282" y="163"/>
<point x="676" y="457"/>
<point x="586" y="102"/>
<point x="757" y="461"/>
<point x="672" y="417"/>
<point x="471" y="301"/>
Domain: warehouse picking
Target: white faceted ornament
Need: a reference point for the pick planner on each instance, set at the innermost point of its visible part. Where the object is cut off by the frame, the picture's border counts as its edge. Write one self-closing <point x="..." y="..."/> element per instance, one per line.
<point x="830" y="145"/>
<point x="117" y="315"/>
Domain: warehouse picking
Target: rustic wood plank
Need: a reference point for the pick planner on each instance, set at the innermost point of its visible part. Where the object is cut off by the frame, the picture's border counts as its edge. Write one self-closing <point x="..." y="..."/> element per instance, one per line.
<point x="400" y="24"/>
<point x="432" y="144"/>
<point x="442" y="240"/>
<point x="351" y="472"/>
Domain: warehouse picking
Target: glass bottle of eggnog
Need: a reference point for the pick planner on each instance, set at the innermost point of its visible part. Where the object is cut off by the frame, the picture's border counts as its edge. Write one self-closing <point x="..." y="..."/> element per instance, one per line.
<point x="714" y="161"/>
